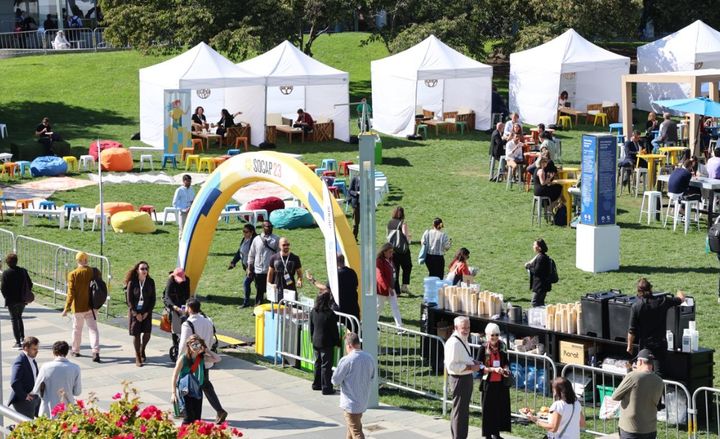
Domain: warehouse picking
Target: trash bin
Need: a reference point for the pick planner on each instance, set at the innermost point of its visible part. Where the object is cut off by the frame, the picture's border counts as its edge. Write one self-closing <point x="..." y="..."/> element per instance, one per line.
<point x="378" y="150"/>
<point x="259" y="312"/>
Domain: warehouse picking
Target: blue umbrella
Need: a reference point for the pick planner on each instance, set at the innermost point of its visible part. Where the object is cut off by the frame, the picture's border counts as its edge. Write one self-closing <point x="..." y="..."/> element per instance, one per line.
<point x="704" y="106"/>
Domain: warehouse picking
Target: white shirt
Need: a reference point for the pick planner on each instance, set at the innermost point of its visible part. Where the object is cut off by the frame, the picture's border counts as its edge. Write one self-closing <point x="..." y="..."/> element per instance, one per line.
<point x="509" y="154"/>
<point x="183" y="197"/>
<point x="457" y="355"/>
<point x="33" y="366"/>
<point x="573" y="422"/>
<point x="203" y="328"/>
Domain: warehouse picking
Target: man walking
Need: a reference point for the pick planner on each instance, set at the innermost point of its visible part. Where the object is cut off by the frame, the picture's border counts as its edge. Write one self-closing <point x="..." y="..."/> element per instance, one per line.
<point x="199" y="324"/>
<point x="58" y="380"/>
<point x="639" y="394"/>
<point x="285" y="270"/>
<point x="354" y="374"/>
<point x="22" y="379"/>
<point x="262" y="248"/>
<point x="460" y="366"/>
<point x="183" y="198"/>
<point x="78" y="301"/>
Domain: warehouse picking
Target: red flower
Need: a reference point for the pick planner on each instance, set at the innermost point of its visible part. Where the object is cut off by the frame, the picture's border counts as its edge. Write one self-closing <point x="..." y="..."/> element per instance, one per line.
<point x="143" y="428"/>
<point x="58" y="409"/>
<point x="63" y="425"/>
<point x="236" y="432"/>
<point x="119" y="423"/>
<point x="91" y="420"/>
<point x="117" y="396"/>
<point x="80" y="403"/>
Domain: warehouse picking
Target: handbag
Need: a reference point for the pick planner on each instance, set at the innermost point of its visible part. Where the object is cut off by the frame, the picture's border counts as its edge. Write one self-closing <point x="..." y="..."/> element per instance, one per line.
<point x="509" y="381"/>
<point x="165" y="324"/>
<point x="423" y="250"/>
<point x="27" y="295"/>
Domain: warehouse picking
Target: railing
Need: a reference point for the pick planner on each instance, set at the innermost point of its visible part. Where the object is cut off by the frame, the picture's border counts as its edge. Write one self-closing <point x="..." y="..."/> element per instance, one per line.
<point x="706" y="404"/>
<point x="7" y="241"/>
<point x="7" y="412"/>
<point x="412" y="361"/>
<point x="42" y="41"/>
<point x="350" y="322"/>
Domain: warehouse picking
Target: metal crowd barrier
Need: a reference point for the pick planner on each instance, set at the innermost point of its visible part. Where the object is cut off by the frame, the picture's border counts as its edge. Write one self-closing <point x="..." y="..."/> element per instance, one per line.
<point x="412" y="361"/>
<point x="42" y="40"/>
<point x="7" y="242"/>
<point x="706" y="408"/>
<point x="7" y="412"/>
<point x="591" y="381"/>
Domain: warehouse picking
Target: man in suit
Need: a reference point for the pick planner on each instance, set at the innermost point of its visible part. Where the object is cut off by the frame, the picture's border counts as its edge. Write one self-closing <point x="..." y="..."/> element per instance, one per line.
<point x="22" y="379"/>
<point x="497" y="149"/>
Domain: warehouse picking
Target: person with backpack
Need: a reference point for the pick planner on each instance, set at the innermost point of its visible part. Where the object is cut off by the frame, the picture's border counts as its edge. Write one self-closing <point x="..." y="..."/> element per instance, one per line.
<point x="140" y="297"/>
<point x="199" y="324"/>
<point x="540" y="269"/>
<point x="82" y="304"/>
<point x="189" y="376"/>
<point x="398" y="235"/>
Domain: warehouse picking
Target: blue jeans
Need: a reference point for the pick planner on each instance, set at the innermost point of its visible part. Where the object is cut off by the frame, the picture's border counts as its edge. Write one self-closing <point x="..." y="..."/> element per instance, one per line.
<point x="656" y="145"/>
<point x="246" y="288"/>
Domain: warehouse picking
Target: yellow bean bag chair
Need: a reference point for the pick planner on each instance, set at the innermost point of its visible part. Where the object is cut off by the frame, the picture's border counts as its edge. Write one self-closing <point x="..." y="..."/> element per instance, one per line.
<point x="132" y="222"/>
<point x="116" y="159"/>
<point x="115" y="207"/>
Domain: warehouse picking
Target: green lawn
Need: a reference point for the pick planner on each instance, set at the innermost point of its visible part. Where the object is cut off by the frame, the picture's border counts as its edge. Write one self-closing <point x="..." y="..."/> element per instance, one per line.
<point x="91" y="95"/>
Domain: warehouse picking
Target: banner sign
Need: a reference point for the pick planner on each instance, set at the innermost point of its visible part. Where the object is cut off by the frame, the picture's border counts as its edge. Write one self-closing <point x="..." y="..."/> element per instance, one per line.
<point x="176" y="123"/>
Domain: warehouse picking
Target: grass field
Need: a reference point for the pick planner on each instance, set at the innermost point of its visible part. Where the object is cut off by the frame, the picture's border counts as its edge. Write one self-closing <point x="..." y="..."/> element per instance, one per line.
<point x="91" y="95"/>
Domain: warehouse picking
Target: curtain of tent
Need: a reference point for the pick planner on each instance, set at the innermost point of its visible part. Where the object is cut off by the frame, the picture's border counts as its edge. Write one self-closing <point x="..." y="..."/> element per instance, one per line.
<point x="151" y="113"/>
<point x="431" y="98"/>
<point x="277" y="102"/>
<point x="457" y="97"/>
<point x="212" y="105"/>
<point x="594" y="87"/>
<point x="393" y="101"/>
<point x="251" y="101"/>
<point x="321" y="101"/>
<point x="534" y="94"/>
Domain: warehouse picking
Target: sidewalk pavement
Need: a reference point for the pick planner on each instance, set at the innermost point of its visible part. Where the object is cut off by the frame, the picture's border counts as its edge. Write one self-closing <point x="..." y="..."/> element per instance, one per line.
<point x="262" y="402"/>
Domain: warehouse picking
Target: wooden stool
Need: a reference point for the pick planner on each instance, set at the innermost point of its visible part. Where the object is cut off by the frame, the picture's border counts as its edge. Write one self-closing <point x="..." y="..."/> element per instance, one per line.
<point x="217" y="161"/>
<point x="206" y="162"/>
<point x="243" y="140"/>
<point x="344" y="167"/>
<point x="24" y="203"/>
<point x="149" y="209"/>
<point x="190" y="159"/>
<point x="198" y="143"/>
<point x="72" y="163"/>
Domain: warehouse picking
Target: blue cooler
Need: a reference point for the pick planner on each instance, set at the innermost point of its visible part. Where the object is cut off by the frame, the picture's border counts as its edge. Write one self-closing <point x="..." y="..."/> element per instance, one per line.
<point x="271" y="335"/>
<point x="431" y="290"/>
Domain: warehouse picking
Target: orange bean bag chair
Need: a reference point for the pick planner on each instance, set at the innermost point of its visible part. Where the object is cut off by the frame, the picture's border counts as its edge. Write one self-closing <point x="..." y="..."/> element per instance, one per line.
<point x="116" y="159"/>
<point x="113" y="208"/>
<point x="104" y="144"/>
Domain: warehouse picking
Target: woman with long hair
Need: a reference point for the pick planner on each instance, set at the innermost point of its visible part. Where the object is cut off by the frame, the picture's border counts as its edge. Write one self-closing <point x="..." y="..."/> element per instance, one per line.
<point x="539" y="268"/>
<point x="566" y="414"/>
<point x="191" y="362"/>
<point x="226" y="121"/>
<point x="177" y="292"/>
<point x="325" y="336"/>
<point x="436" y="243"/>
<point x="459" y="267"/>
<point x="140" y="298"/>
<point x="385" y="277"/>
<point x="401" y="260"/>
<point x="199" y="121"/>
<point x="495" y="390"/>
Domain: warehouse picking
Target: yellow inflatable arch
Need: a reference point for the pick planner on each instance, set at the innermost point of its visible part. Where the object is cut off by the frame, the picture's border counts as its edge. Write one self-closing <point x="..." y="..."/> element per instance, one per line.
<point x="239" y="171"/>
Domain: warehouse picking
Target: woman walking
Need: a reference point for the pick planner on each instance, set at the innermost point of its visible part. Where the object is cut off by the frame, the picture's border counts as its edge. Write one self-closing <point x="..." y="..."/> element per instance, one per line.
<point x="436" y="243"/>
<point x="189" y="377"/>
<point x="325" y="336"/>
<point x="566" y="413"/>
<point x="385" y="277"/>
<point x="177" y="292"/>
<point x="495" y="391"/>
<point x="540" y="270"/>
<point x="401" y="256"/>
<point x="14" y="281"/>
<point x="140" y="298"/>
<point x="242" y="255"/>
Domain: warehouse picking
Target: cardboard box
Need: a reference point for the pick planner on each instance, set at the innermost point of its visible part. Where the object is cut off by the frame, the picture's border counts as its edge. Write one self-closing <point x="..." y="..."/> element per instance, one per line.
<point x="576" y="352"/>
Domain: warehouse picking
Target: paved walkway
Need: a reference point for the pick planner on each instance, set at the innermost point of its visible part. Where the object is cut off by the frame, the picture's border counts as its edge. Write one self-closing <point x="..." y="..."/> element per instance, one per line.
<point x="262" y="402"/>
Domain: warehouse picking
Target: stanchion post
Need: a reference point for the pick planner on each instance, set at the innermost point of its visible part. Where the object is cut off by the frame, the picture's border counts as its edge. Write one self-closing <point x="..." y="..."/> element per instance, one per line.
<point x="367" y="255"/>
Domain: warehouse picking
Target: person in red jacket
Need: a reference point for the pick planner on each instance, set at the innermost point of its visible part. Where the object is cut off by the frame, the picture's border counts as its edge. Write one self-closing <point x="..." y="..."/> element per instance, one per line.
<point x="385" y="277"/>
<point x="304" y="121"/>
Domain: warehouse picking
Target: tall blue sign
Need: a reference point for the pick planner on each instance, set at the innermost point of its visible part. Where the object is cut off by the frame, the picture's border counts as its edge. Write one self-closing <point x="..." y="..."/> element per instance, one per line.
<point x="599" y="152"/>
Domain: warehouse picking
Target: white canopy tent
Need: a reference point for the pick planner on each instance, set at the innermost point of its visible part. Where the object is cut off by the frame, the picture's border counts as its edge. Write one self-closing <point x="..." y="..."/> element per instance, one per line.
<point x="434" y="76"/>
<point x="319" y="89"/>
<point x="589" y="74"/>
<point x="693" y="47"/>
<point x="199" y="68"/>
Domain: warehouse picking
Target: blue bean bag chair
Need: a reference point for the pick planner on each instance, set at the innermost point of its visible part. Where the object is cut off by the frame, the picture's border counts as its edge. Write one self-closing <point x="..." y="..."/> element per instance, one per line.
<point x="291" y="218"/>
<point x="48" y="166"/>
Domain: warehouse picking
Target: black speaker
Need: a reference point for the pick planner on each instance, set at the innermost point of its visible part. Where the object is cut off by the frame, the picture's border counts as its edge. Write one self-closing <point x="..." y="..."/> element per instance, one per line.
<point x="595" y="313"/>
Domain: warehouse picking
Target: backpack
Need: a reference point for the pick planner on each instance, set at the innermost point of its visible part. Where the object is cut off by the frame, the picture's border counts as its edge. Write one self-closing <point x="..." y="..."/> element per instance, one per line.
<point x="398" y="240"/>
<point x="714" y="237"/>
<point x="215" y="339"/>
<point x="553" y="272"/>
<point x="560" y="217"/>
<point x="98" y="290"/>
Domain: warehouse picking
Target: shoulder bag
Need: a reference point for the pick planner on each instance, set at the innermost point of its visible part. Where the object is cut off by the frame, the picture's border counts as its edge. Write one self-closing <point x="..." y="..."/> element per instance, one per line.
<point x="26" y="294"/>
<point x="423" y="248"/>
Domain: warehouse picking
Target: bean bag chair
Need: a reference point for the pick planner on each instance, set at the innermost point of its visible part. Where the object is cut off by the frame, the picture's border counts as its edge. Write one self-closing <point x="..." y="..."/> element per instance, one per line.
<point x="116" y="159"/>
<point x="48" y="166"/>
<point x="116" y="207"/>
<point x="104" y="144"/>
<point x="269" y="204"/>
<point x="291" y="218"/>
<point x="132" y="222"/>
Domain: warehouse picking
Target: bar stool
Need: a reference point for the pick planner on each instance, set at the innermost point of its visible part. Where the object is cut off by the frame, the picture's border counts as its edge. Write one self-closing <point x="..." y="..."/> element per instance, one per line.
<point x="149" y="158"/>
<point x="602" y="117"/>
<point x="462" y="125"/>
<point x="87" y="162"/>
<point x="329" y="164"/>
<point x="78" y="216"/>
<point x="422" y="127"/>
<point x="340" y="184"/>
<point x="197" y="143"/>
<point x="232" y="152"/>
<point x="206" y="162"/>
<point x="172" y="158"/>
<point x="243" y="140"/>
<point x="190" y="159"/>
<point x="175" y="211"/>
<point x="149" y="209"/>
<point x="70" y="207"/>
<point x="329" y="174"/>
<point x="184" y="152"/>
<point x="344" y="167"/>
<point x="675" y="201"/>
<point x="538" y="209"/>
<point x="319" y="171"/>
<point x="654" y="199"/>
<point x="217" y="161"/>
<point x="334" y="190"/>
<point x="24" y="203"/>
<point x="47" y="205"/>
<point x="565" y="122"/>
<point x="23" y="166"/>
<point x="640" y="173"/>
<point x="72" y="163"/>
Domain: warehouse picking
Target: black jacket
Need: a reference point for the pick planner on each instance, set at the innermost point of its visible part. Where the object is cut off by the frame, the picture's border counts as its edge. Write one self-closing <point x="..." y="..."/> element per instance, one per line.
<point x="132" y="295"/>
<point x="497" y="145"/>
<point x="347" y="292"/>
<point x="21" y="379"/>
<point x="12" y="284"/>
<point x="323" y="329"/>
<point x="540" y="273"/>
<point x="176" y="294"/>
<point x="354" y="192"/>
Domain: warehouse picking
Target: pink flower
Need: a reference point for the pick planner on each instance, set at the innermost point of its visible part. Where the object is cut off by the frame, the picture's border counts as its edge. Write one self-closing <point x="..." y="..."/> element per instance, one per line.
<point x="58" y="409"/>
<point x="236" y="432"/>
<point x="75" y="429"/>
<point x="117" y="396"/>
<point x="143" y="428"/>
<point x="119" y="423"/>
<point x="91" y="420"/>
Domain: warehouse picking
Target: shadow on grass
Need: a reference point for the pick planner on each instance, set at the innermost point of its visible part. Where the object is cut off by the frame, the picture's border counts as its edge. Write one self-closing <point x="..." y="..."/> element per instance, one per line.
<point x="396" y="161"/>
<point x="643" y="269"/>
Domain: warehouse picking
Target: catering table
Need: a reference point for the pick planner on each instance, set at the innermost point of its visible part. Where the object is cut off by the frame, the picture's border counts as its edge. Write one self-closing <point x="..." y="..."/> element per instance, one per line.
<point x="693" y="369"/>
<point x="572" y="112"/>
<point x="708" y="186"/>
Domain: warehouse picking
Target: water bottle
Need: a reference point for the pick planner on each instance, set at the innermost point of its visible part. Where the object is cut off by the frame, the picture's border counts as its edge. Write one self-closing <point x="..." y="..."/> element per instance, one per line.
<point x="670" y="337"/>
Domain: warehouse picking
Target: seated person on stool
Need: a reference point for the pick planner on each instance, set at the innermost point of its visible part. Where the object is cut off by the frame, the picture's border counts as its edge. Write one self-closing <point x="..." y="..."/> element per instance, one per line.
<point x="199" y="122"/>
<point x="651" y="125"/>
<point x="514" y="153"/>
<point x="544" y="153"/>
<point x="679" y="182"/>
<point x="304" y="121"/>
<point x="548" y="142"/>
<point x="543" y="184"/>
<point x="510" y="126"/>
<point x="668" y="133"/>
<point x="46" y="136"/>
<point x="632" y="147"/>
<point x="713" y="164"/>
<point x="226" y="121"/>
<point x="497" y="149"/>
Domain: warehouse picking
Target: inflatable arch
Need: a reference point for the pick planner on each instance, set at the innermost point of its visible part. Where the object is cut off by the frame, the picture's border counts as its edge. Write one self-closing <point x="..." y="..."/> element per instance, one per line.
<point x="239" y="171"/>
